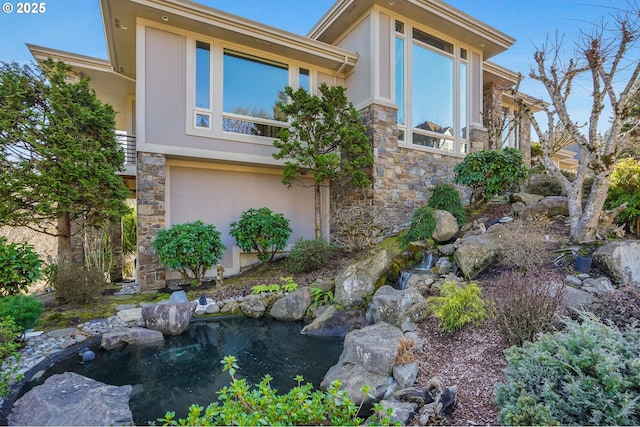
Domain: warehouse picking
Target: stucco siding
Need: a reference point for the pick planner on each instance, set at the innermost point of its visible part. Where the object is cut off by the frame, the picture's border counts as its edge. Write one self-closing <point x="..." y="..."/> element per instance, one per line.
<point x="219" y="196"/>
<point x="360" y="82"/>
<point x="165" y="86"/>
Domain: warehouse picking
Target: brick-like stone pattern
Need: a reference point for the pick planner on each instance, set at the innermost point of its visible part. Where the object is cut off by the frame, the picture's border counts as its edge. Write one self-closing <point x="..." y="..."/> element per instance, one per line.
<point x="402" y="178"/>
<point x="151" y="209"/>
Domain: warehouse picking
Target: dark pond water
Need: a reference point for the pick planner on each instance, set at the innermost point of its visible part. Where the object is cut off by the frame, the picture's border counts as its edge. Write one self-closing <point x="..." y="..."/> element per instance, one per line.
<point x="187" y="368"/>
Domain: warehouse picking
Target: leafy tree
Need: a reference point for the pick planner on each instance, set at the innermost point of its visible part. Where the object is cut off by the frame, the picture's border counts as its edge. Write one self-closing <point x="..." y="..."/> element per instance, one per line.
<point x="58" y="153"/>
<point x="490" y="172"/>
<point x="326" y="139"/>
<point x="261" y="230"/>
<point x="598" y="60"/>
<point x="190" y="247"/>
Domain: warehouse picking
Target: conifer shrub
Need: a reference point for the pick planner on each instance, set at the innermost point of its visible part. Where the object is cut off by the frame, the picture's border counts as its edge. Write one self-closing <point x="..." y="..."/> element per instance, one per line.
<point x="262" y="231"/>
<point x="423" y="223"/>
<point x="308" y="255"/>
<point x="458" y="305"/>
<point x="625" y="188"/>
<point x="544" y="185"/>
<point x="585" y="375"/>
<point x="23" y="309"/>
<point x="445" y="197"/>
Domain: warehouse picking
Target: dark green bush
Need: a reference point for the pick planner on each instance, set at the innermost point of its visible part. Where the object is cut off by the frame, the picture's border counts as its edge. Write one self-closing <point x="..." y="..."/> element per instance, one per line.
<point x="129" y="236"/>
<point x="190" y="247"/>
<point x="23" y="309"/>
<point x="490" y="172"/>
<point x="588" y="374"/>
<point x="544" y="185"/>
<point x="445" y="197"/>
<point x="422" y="226"/>
<point x="241" y="404"/>
<point x="78" y="285"/>
<point x="308" y="255"/>
<point x="19" y="267"/>
<point x="262" y="231"/>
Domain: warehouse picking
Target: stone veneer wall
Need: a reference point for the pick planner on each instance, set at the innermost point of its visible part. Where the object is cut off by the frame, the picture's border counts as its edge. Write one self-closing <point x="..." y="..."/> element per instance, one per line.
<point x="402" y="178"/>
<point x="151" y="181"/>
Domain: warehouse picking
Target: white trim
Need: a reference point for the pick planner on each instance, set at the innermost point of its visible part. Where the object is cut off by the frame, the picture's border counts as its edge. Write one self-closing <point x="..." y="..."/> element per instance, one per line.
<point x="141" y="83"/>
<point x="173" y="150"/>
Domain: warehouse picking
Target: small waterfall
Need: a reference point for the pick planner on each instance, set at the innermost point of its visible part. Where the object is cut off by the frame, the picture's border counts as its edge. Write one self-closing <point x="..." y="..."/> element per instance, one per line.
<point x="402" y="282"/>
<point x="427" y="262"/>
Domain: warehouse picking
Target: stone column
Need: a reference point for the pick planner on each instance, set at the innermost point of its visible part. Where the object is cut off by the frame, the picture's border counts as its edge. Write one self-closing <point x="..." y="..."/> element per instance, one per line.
<point x="115" y="247"/>
<point x="150" y="195"/>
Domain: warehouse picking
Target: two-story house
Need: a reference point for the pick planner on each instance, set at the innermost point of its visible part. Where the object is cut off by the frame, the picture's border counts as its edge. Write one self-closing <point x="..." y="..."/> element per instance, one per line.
<point x="195" y="88"/>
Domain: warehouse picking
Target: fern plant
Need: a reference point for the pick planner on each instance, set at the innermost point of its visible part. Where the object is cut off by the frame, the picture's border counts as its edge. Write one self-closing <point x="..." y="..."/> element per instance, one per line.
<point x="458" y="305"/>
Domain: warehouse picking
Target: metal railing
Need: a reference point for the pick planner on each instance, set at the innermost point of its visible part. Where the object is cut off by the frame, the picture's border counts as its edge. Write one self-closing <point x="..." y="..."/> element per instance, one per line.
<point x="128" y="142"/>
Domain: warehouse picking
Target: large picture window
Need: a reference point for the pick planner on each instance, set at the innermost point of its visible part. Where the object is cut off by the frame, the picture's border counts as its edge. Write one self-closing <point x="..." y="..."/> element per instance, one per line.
<point x="251" y="87"/>
<point x="436" y="88"/>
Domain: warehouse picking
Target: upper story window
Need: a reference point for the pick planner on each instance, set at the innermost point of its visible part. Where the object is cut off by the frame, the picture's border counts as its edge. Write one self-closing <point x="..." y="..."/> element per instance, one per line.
<point x="202" y="114"/>
<point x="432" y="96"/>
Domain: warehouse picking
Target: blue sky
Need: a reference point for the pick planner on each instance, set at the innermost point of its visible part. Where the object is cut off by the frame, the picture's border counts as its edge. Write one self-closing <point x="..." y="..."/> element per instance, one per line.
<point x="76" y="25"/>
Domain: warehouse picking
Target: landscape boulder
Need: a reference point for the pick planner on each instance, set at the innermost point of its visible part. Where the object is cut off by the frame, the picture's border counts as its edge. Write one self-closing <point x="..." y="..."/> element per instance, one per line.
<point x="446" y="226"/>
<point x="120" y="337"/>
<point x="253" y="307"/>
<point x="292" y="306"/>
<point x="366" y="359"/>
<point x="477" y="252"/>
<point x="398" y="306"/>
<point x="526" y="198"/>
<point x="358" y="281"/>
<point x="621" y="260"/>
<point x="69" y="399"/>
<point x="335" y="323"/>
<point x="170" y="319"/>
<point x="547" y="207"/>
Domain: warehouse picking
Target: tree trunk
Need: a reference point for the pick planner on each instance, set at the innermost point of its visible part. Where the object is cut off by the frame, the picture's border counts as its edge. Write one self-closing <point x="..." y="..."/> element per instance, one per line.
<point x="588" y="225"/>
<point x="318" y="210"/>
<point x="65" y="254"/>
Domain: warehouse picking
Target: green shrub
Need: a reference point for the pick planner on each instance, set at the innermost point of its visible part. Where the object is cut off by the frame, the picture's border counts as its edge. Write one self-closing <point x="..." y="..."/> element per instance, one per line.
<point x="445" y="197"/>
<point x="9" y="345"/>
<point x="241" y="404"/>
<point x="190" y="247"/>
<point x="19" y="267"/>
<point x="262" y="231"/>
<point x="288" y="285"/>
<point x="458" y="305"/>
<point x="129" y="236"/>
<point x="308" y="255"/>
<point x="625" y="188"/>
<point x="422" y="226"/>
<point x="321" y="297"/>
<point x="24" y="310"/>
<point x="527" y="306"/>
<point x="544" y="185"/>
<point x="588" y="374"/>
<point x="490" y="172"/>
<point x="77" y="285"/>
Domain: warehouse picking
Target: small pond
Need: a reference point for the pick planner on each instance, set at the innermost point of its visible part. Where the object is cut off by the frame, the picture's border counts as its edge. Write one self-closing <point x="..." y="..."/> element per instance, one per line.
<point x="187" y="368"/>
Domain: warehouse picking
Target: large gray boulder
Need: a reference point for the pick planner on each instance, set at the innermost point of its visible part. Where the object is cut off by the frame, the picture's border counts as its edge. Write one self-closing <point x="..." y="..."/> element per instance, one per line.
<point x="366" y="359"/>
<point x="253" y="307"/>
<point x="547" y="207"/>
<point x="398" y="306"/>
<point x="70" y="399"/>
<point x="477" y="252"/>
<point x="135" y="336"/>
<point x="526" y="198"/>
<point x="170" y="319"/>
<point x="446" y="226"/>
<point x="358" y="281"/>
<point x="621" y="260"/>
<point x="292" y="306"/>
<point x="335" y="323"/>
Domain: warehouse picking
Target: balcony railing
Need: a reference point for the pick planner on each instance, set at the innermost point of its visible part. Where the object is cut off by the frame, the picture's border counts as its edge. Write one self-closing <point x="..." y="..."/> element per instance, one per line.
<point x="128" y="142"/>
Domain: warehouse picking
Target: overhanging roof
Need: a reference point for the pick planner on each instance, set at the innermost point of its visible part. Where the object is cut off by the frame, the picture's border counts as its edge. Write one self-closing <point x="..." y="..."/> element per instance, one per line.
<point x="432" y="13"/>
<point x="119" y="17"/>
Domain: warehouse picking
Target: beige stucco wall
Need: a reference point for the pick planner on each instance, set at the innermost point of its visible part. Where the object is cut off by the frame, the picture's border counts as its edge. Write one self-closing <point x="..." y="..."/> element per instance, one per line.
<point x="359" y="83"/>
<point x="218" y="194"/>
